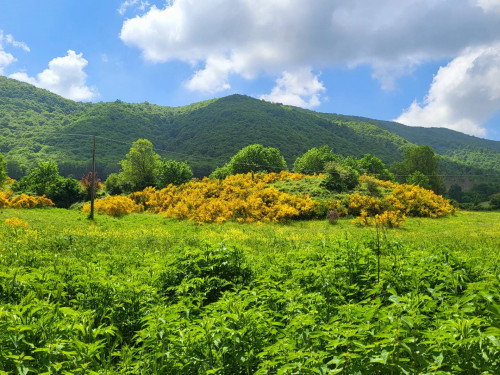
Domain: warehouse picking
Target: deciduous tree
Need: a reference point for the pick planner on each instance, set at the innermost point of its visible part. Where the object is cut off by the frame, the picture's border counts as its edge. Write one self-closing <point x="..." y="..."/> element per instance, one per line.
<point x="140" y="166"/>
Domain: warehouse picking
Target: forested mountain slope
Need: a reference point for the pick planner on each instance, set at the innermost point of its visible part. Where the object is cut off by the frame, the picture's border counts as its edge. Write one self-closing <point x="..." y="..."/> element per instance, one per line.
<point x="36" y="124"/>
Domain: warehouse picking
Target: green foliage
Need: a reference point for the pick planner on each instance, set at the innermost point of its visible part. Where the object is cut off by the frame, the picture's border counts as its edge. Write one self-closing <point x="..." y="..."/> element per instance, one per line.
<point x="253" y="158"/>
<point x="65" y="191"/>
<point x="373" y="166"/>
<point x="419" y="159"/>
<point x="314" y="160"/>
<point x="312" y="186"/>
<point x="495" y="201"/>
<point x="340" y="178"/>
<point x="113" y="184"/>
<point x="173" y="172"/>
<point x="3" y="171"/>
<point x="222" y="172"/>
<point x="39" y="179"/>
<point x="35" y="125"/>
<point x="146" y="295"/>
<point x="140" y="166"/>
<point x="45" y="180"/>
<point x="420" y="179"/>
<point x="455" y="192"/>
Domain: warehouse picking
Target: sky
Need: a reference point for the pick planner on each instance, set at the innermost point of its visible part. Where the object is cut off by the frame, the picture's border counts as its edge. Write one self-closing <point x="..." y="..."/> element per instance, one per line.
<point x="431" y="63"/>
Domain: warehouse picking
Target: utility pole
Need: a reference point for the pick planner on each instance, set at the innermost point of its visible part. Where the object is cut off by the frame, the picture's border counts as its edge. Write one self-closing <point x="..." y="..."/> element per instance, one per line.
<point x="92" y="191"/>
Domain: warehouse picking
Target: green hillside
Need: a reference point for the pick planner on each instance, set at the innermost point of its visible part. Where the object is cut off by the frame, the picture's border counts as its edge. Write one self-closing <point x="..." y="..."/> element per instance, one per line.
<point x="38" y="125"/>
<point x="462" y="147"/>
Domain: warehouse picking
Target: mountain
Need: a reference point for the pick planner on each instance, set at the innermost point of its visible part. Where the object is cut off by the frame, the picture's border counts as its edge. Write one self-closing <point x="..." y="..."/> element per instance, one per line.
<point x="38" y="125"/>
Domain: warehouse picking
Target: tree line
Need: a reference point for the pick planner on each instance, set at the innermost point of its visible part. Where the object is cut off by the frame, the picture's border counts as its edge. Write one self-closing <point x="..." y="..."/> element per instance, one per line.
<point x="143" y="167"/>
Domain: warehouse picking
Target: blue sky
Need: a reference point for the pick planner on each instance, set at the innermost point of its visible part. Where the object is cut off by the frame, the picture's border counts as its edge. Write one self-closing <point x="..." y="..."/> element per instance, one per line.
<point x="421" y="62"/>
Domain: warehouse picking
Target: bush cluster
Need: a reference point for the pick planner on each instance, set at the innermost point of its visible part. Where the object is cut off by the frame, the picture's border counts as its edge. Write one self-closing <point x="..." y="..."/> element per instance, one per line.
<point x="23" y="200"/>
<point x="114" y="205"/>
<point x="404" y="200"/>
<point x="243" y="198"/>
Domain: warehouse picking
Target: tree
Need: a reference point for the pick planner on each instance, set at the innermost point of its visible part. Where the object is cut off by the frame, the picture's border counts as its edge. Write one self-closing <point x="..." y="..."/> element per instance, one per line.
<point x="495" y="201"/>
<point x="455" y="192"/>
<point x="421" y="159"/>
<point x="86" y="184"/>
<point x="420" y="179"/>
<point x="3" y="171"/>
<point x="314" y="160"/>
<point x="340" y="178"/>
<point x="113" y="184"/>
<point x="253" y="158"/>
<point x="140" y="166"/>
<point x="39" y="179"/>
<point x="45" y="180"/>
<point x="371" y="165"/>
<point x="173" y="172"/>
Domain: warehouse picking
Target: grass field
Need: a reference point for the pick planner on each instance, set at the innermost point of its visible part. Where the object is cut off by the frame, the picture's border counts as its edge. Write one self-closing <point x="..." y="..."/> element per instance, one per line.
<point x="147" y="294"/>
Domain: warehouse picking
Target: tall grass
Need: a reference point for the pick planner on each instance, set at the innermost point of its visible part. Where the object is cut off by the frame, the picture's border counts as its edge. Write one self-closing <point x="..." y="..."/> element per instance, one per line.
<point x="146" y="294"/>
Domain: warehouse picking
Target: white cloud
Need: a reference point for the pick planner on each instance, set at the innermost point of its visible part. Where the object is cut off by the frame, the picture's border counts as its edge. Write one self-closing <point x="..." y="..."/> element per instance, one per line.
<point x="9" y="39"/>
<point x="300" y="88"/>
<point x="213" y="78"/>
<point x="255" y="37"/>
<point x="489" y="5"/>
<point x="21" y="76"/>
<point x="64" y="76"/>
<point x="124" y="6"/>
<point x="7" y="58"/>
<point x="463" y="95"/>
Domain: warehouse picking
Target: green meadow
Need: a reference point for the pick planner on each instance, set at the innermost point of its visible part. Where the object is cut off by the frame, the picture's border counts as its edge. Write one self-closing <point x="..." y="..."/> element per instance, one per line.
<point x="144" y="294"/>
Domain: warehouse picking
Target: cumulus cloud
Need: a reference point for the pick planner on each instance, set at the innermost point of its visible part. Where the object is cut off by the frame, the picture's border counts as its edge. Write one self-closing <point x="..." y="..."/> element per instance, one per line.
<point x="463" y="95"/>
<point x="7" y="58"/>
<point x="300" y="88"/>
<point x="268" y="37"/>
<point x="64" y="76"/>
<point x="213" y="78"/>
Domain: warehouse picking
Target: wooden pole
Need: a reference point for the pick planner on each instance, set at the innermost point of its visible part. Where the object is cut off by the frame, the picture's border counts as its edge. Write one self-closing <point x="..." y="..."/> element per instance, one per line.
<point x="92" y="191"/>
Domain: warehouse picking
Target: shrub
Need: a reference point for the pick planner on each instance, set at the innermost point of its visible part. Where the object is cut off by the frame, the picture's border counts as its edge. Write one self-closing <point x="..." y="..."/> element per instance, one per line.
<point x="495" y="201"/>
<point x="115" y="206"/>
<point x="314" y="160"/>
<point x="254" y="158"/>
<point x="173" y="172"/>
<point x="114" y="184"/>
<point x="333" y="216"/>
<point x="86" y="185"/>
<point x="28" y="201"/>
<point x="15" y="222"/>
<point x="44" y="180"/>
<point x="340" y="178"/>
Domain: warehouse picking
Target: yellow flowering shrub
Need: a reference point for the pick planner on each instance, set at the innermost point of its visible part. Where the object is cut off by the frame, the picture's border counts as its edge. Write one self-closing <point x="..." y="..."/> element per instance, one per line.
<point x="413" y="200"/>
<point x="115" y="206"/>
<point x="242" y="198"/>
<point x="250" y="198"/>
<point x="23" y="200"/>
<point x="5" y="199"/>
<point x="404" y="200"/>
<point x="28" y="201"/>
<point x="15" y="222"/>
<point x="389" y="219"/>
<point x="358" y="203"/>
<point x="385" y="184"/>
